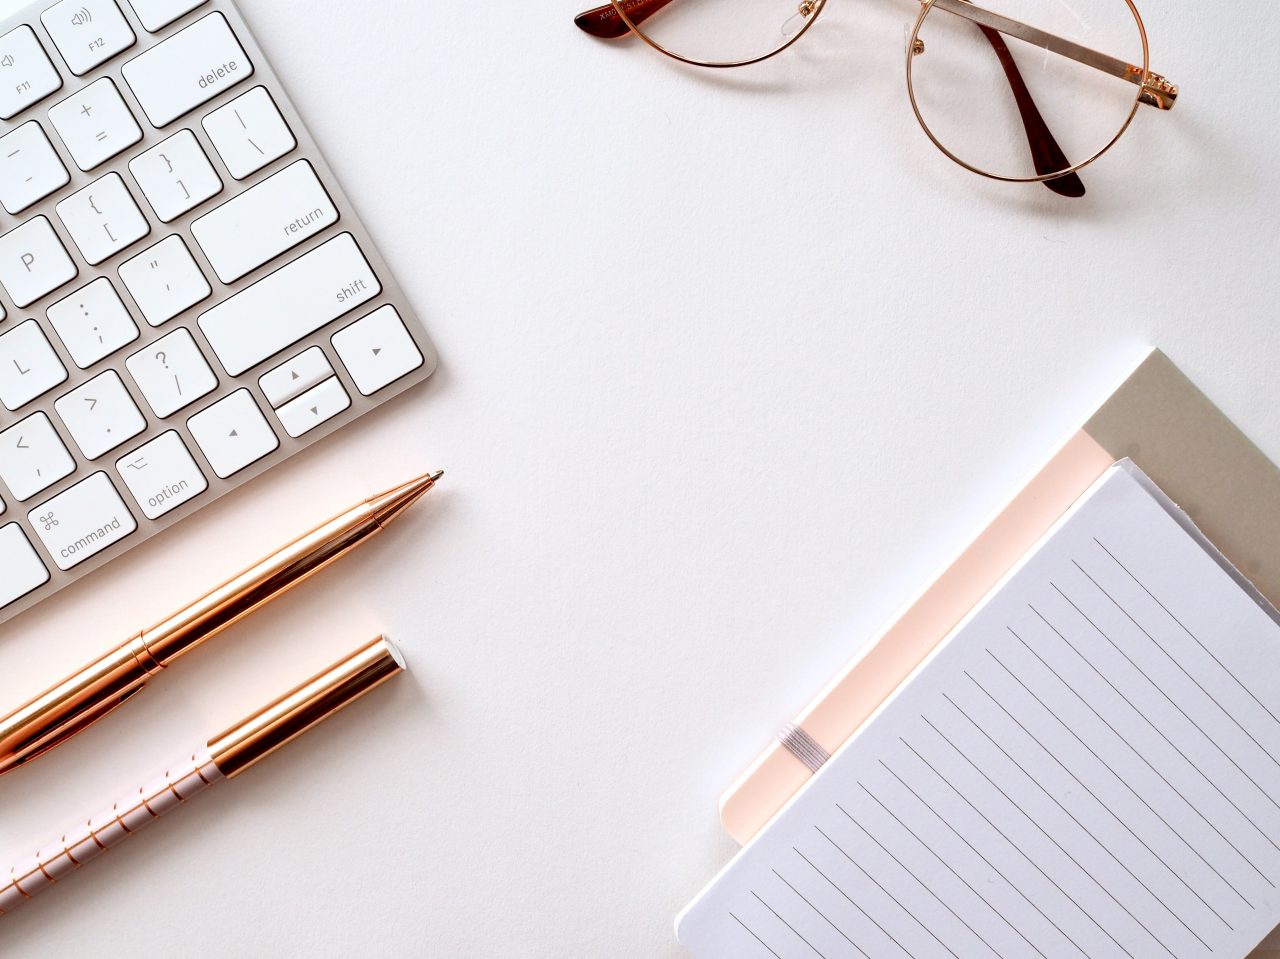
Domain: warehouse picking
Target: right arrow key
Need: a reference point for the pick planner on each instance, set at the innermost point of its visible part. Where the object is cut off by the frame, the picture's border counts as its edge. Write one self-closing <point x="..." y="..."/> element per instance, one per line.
<point x="377" y="350"/>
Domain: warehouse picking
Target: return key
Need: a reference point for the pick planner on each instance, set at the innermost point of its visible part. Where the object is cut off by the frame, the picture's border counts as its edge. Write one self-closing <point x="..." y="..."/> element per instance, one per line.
<point x="263" y="222"/>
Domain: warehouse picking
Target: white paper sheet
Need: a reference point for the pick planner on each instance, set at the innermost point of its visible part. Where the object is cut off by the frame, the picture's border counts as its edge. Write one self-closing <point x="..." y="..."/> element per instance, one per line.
<point x="1085" y="768"/>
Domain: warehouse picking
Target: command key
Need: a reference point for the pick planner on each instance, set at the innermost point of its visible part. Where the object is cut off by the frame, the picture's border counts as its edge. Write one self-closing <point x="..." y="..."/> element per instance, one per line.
<point x="82" y="521"/>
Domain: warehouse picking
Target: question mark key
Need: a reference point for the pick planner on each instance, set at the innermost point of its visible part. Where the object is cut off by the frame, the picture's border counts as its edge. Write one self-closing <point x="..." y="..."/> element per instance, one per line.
<point x="172" y="373"/>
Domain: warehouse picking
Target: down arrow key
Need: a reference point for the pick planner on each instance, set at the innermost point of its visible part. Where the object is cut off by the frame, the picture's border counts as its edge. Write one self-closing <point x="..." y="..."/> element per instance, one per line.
<point x="317" y="405"/>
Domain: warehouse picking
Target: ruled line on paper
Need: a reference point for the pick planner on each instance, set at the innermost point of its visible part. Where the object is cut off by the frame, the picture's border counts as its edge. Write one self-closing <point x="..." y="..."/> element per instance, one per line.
<point x="946" y="865"/>
<point x="1019" y="850"/>
<point x="1181" y="667"/>
<point x="920" y="882"/>
<point x="1248" y="692"/>
<point x="1057" y="844"/>
<point x="754" y="935"/>
<point x="1169" y="699"/>
<point x="1076" y="779"/>
<point x="840" y="890"/>
<point x="1124" y="782"/>
<point x="1070" y="815"/>
<point x="1212" y="783"/>
<point x="990" y="865"/>
<point x="788" y="925"/>
<point x="819" y="912"/>
<point x="897" y="902"/>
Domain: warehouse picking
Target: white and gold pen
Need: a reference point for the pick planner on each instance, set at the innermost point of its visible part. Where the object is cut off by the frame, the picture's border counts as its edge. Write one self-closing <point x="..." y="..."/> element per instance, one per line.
<point x="225" y="756"/>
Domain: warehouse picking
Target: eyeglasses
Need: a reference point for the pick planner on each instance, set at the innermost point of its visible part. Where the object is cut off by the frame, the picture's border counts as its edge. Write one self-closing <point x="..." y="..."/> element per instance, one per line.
<point x="975" y="75"/>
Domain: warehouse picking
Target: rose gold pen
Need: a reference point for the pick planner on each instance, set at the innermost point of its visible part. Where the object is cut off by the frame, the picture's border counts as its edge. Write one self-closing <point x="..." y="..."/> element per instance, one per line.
<point x="225" y="756"/>
<point x="85" y="697"/>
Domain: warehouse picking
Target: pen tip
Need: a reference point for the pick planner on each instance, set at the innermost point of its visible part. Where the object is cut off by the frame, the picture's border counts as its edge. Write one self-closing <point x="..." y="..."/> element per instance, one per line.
<point x="389" y="505"/>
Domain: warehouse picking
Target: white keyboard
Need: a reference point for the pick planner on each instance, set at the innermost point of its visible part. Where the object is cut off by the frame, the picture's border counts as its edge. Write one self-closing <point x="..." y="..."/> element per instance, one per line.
<point x="186" y="295"/>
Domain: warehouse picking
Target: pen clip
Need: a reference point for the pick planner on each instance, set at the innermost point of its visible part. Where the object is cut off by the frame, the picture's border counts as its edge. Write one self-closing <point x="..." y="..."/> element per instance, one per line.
<point x="73" y="725"/>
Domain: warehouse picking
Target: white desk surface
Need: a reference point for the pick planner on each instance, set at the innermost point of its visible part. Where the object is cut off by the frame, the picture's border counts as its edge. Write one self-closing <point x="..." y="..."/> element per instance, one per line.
<point x="730" y="364"/>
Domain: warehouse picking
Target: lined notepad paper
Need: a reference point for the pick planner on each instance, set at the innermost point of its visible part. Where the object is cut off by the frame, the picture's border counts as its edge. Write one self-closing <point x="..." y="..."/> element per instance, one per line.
<point x="1086" y="767"/>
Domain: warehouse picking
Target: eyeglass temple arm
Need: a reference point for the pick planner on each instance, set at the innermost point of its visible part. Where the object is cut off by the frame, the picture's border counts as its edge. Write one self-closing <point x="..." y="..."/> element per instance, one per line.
<point x="1156" y="91"/>
<point x="1046" y="156"/>
<point x="604" y="22"/>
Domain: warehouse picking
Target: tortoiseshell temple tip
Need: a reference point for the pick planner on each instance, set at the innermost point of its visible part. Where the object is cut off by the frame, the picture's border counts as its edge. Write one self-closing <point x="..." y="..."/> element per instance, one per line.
<point x="602" y="22"/>
<point x="1069" y="185"/>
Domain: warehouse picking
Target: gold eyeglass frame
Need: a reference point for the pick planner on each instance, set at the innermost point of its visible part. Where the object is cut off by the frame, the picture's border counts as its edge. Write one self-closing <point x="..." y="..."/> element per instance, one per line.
<point x="814" y="8"/>
<point x="1152" y="88"/>
<point x="1140" y="77"/>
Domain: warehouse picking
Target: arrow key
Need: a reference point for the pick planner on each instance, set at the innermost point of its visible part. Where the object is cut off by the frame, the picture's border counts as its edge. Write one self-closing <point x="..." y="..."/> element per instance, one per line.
<point x="232" y="433"/>
<point x="377" y="350"/>
<point x="314" y="407"/>
<point x="296" y="376"/>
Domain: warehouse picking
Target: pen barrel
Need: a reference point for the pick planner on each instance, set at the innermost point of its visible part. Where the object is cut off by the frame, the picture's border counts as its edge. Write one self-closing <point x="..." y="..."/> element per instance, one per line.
<point x="91" y="838"/>
<point x="259" y="584"/>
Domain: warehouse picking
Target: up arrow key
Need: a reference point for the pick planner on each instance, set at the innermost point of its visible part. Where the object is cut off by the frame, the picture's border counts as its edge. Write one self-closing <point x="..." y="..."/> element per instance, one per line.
<point x="234" y="433"/>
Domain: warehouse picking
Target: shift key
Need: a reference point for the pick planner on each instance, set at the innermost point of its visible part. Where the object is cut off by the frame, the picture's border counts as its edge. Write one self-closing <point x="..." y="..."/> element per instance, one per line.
<point x="293" y="302"/>
<point x="190" y="68"/>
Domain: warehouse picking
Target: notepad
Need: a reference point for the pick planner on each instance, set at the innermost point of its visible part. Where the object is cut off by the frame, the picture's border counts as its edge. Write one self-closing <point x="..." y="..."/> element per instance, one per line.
<point x="1087" y="766"/>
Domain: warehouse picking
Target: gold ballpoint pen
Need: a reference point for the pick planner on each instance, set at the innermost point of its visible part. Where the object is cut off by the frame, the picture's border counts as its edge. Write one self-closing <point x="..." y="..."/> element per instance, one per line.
<point x="95" y="690"/>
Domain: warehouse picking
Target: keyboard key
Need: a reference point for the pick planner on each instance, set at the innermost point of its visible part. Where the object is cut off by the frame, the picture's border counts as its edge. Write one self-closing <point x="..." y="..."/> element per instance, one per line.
<point x="87" y="32"/>
<point x="175" y="176"/>
<point x="28" y="365"/>
<point x="93" y="322"/>
<point x="190" y="68"/>
<point x="161" y="475"/>
<point x="33" y="262"/>
<point x="95" y="124"/>
<point x="82" y="521"/>
<point x="172" y="373"/>
<point x="29" y="167"/>
<point x="249" y="132"/>
<point x="103" y="219"/>
<point x="300" y="297"/>
<point x="33" y="457"/>
<point x="295" y="376"/>
<point x="21" y="569"/>
<point x="377" y="350"/>
<point x="157" y="14"/>
<point x="27" y="75"/>
<point x="264" y="221"/>
<point x="232" y="433"/>
<point x="100" y="415"/>
<point x="318" y="404"/>
<point x="164" y="280"/>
